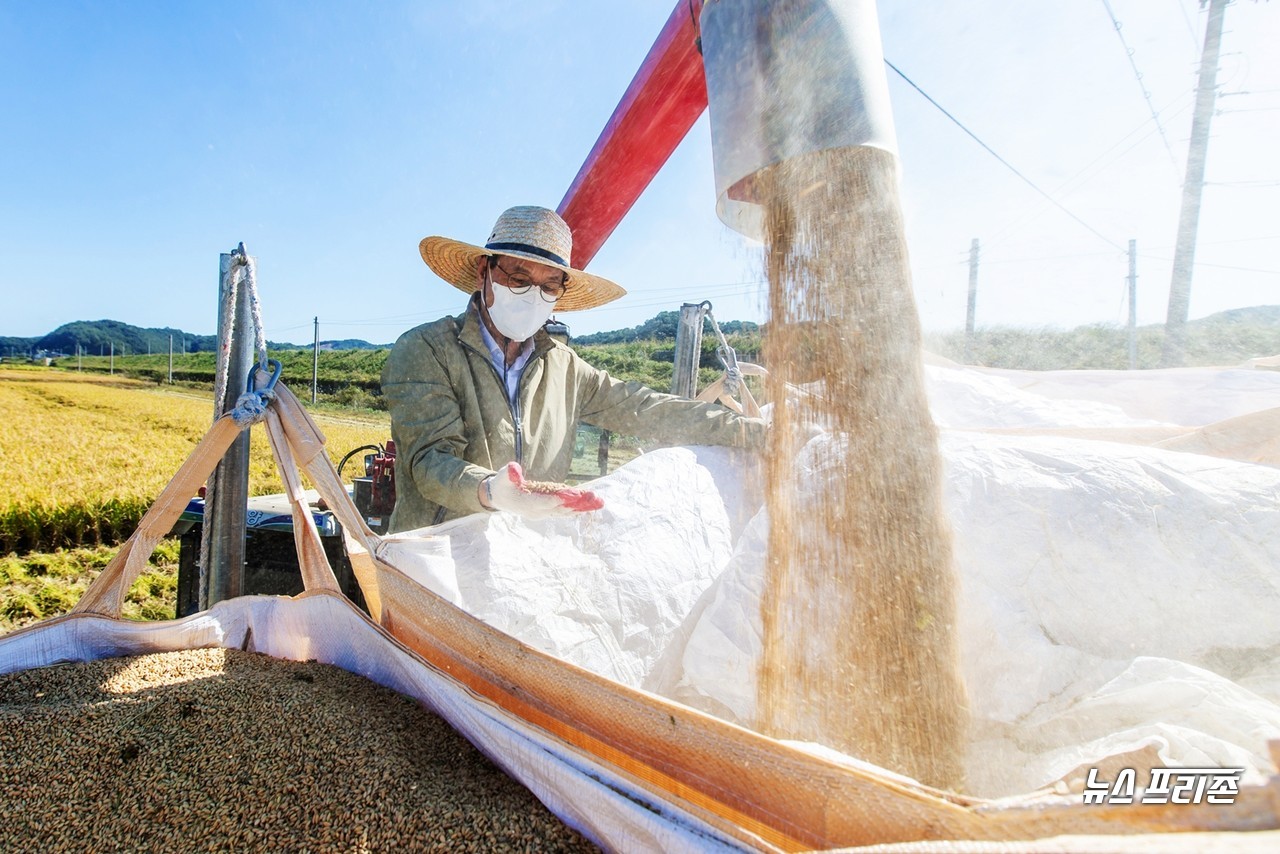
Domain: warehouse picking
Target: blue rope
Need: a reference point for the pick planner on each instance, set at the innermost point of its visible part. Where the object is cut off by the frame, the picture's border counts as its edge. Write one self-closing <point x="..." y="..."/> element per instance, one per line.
<point x="251" y="407"/>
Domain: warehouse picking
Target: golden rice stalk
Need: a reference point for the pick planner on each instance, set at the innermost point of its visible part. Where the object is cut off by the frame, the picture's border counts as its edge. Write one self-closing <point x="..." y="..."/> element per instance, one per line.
<point x="82" y="458"/>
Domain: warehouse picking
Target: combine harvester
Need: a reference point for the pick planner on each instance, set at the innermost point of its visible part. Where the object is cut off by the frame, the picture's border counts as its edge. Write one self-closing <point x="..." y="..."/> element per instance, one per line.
<point x="1116" y="596"/>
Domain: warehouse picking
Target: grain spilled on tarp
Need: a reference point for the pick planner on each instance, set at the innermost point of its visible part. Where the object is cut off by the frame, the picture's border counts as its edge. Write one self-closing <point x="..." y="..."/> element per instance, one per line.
<point x="859" y="606"/>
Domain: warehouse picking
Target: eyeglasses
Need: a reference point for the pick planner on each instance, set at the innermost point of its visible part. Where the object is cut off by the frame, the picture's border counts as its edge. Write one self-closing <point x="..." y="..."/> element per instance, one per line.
<point x="519" y="283"/>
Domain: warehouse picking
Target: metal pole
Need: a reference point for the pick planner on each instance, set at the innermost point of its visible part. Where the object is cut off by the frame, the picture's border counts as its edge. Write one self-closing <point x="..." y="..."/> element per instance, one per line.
<point x="112" y="366"/>
<point x="684" y="374"/>
<point x="226" y="514"/>
<point x="602" y="452"/>
<point x="1192" y="188"/>
<point x="315" y="361"/>
<point x="170" y="359"/>
<point x="1133" y="305"/>
<point x="972" y="310"/>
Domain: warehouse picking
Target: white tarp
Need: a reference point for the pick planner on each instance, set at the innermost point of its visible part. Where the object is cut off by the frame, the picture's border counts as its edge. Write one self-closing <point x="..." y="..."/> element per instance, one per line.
<point x="587" y="794"/>
<point x="1114" y="598"/>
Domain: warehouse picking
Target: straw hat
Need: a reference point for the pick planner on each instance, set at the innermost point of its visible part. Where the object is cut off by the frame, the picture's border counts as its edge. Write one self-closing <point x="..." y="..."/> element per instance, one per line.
<point x="528" y="232"/>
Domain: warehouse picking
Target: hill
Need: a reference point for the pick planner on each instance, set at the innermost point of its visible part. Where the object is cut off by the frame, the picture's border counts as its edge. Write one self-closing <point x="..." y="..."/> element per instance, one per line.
<point x="660" y="327"/>
<point x="343" y="344"/>
<point x="1225" y="338"/>
<point x="1262" y="315"/>
<point x="101" y="337"/>
<point x="1222" y="338"/>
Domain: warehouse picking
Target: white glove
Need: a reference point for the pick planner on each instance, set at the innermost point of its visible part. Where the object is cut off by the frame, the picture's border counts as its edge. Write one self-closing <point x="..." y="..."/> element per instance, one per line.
<point x="810" y="430"/>
<point x="806" y="429"/>
<point x="508" y="490"/>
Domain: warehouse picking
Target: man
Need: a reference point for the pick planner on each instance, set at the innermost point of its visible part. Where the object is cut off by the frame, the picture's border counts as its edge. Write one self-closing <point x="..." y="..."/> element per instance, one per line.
<point x="485" y="406"/>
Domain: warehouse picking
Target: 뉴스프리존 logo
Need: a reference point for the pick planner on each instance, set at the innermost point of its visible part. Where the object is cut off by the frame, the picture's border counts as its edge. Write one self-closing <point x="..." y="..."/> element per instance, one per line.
<point x="1166" y="786"/>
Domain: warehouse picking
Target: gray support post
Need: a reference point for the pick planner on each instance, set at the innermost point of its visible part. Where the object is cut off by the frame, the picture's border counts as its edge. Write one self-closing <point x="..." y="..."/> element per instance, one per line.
<point x="972" y="311"/>
<point x="1133" y="305"/>
<point x="170" y="359"/>
<point x="602" y="452"/>
<point x="684" y="375"/>
<point x="225" y="516"/>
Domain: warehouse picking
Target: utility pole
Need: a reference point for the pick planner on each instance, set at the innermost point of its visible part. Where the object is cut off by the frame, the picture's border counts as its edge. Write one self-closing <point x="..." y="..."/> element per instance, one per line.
<point x="972" y="311"/>
<point x="1133" y="305"/>
<point x="315" y="360"/>
<point x="1175" y="332"/>
<point x="170" y="358"/>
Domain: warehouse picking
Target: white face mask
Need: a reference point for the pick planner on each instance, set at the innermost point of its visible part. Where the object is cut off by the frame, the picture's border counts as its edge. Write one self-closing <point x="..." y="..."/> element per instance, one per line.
<point x="518" y="316"/>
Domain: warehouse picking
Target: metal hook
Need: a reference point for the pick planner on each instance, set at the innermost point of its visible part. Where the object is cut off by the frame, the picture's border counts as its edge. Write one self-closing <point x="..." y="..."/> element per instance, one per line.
<point x="269" y="388"/>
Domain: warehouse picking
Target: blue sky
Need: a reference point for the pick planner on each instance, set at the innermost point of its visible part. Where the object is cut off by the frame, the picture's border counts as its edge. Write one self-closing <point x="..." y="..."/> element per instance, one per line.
<point x="142" y="139"/>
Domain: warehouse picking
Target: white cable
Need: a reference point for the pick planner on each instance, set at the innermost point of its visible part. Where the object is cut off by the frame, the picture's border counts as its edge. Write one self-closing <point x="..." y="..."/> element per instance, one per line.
<point x="728" y="357"/>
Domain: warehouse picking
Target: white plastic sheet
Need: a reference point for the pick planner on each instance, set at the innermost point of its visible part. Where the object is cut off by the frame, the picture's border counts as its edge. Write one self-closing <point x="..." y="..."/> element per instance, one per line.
<point x="1115" y="599"/>
<point x="610" y="590"/>
<point x="588" y="795"/>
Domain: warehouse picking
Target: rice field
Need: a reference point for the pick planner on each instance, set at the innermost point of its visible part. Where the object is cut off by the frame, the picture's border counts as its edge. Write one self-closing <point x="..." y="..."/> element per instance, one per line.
<point x="82" y="456"/>
<point x="39" y="585"/>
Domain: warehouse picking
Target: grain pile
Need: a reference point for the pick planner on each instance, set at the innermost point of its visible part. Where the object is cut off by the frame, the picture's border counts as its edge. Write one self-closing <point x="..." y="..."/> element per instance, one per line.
<point x="226" y="750"/>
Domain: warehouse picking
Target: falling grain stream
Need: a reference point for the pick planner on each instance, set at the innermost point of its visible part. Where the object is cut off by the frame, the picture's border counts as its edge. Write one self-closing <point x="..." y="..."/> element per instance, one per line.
<point x="859" y="604"/>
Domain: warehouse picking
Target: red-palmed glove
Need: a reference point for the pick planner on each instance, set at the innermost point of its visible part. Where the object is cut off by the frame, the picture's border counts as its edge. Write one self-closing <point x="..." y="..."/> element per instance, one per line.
<point x="508" y="490"/>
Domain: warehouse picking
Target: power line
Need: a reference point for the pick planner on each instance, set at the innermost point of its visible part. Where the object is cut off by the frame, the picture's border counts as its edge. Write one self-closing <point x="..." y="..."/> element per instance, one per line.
<point x="685" y="288"/>
<point x="1128" y="52"/>
<point x="1267" y="183"/>
<point x="1233" y="267"/>
<point x="989" y="261"/>
<point x="1006" y="163"/>
<point x="719" y="289"/>
<point x="1191" y="30"/>
<point x="1136" y="142"/>
<point x="1103" y="160"/>
<point x="1155" y="257"/>
<point x="1242" y="240"/>
<point x="702" y="292"/>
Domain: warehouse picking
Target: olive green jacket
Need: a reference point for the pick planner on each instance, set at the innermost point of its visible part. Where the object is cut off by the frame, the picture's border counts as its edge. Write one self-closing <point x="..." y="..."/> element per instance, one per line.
<point x="453" y="425"/>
